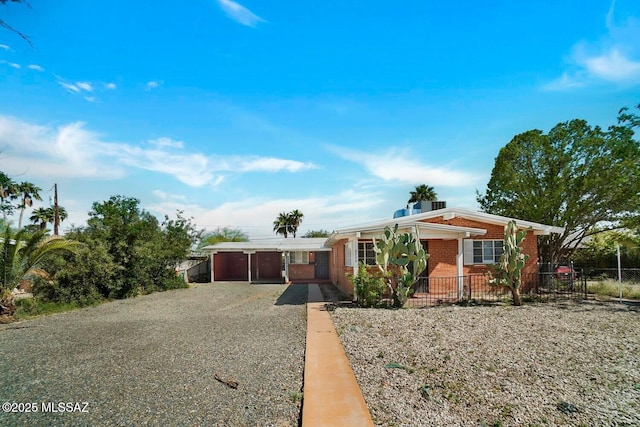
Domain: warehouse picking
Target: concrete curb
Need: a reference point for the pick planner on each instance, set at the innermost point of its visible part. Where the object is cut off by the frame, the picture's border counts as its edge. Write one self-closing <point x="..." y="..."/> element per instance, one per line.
<point x="332" y="396"/>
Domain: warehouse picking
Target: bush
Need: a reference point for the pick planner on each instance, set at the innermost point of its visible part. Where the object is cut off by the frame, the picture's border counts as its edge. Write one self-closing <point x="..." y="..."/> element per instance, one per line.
<point x="368" y="287"/>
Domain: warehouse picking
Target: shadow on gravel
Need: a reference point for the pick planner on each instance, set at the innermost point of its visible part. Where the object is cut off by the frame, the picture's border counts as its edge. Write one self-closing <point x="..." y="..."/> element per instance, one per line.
<point x="294" y="295"/>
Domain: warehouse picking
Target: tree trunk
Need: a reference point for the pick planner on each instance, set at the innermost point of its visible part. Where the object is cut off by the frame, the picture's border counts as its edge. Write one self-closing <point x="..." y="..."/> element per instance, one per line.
<point x="515" y="291"/>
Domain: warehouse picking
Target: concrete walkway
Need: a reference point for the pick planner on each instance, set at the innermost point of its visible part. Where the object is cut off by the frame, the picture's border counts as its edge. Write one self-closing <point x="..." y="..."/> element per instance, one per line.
<point x="332" y="396"/>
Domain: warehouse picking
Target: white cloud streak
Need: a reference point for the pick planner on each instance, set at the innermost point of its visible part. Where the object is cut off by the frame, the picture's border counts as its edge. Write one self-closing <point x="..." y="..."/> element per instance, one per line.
<point x="153" y="84"/>
<point x="400" y="165"/>
<point x="239" y="13"/>
<point x="4" y="47"/>
<point x="73" y="151"/>
<point x="35" y="67"/>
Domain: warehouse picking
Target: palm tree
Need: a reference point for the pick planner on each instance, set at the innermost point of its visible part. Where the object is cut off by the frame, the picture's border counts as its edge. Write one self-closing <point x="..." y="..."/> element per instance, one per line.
<point x="27" y="192"/>
<point x="23" y="255"/>
<point x="281" y="224"/>
<point x="7" y="191"/>
<point x="295" y="218"/>
<point x="44" y="216"/>
<point x="422" y="192"/>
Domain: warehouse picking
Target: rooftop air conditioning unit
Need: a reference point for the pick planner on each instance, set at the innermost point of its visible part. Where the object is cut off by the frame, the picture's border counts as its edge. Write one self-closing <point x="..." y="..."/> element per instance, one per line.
<point x="430" y="205"/>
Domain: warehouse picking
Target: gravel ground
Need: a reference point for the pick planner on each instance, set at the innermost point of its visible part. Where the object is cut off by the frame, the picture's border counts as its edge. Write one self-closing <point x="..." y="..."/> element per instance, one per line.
<point x="539" y="365"/>
<point x="151" y="360"/>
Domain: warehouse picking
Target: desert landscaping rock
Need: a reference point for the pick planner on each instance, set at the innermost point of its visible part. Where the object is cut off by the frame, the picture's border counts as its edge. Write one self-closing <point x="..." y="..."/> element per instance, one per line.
<point x="551" y="364"/>
<point x="153" y="360"/>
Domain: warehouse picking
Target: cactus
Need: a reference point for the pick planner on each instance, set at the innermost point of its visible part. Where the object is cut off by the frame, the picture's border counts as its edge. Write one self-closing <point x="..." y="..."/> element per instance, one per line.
<point x="508" y="272"/>
<point x="401" y="258"/>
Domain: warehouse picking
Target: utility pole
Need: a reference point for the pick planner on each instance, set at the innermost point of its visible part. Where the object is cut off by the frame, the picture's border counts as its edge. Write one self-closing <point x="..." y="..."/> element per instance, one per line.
<point x="56" y="216"/>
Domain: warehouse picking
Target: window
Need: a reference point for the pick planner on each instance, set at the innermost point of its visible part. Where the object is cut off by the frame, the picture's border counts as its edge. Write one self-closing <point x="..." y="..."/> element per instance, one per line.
<point x="348" y="254"/>
<point x="299" y="257"/>
<point x="487" y="251"/>
<point x="366" y="254"/>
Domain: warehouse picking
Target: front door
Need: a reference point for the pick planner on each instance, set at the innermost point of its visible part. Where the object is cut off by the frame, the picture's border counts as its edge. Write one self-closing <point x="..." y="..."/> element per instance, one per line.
<point x="322" y="265"/>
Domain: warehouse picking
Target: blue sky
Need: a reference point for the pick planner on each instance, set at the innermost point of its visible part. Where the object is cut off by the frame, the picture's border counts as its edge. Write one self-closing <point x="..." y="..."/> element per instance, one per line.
<point x="235" y="111"/>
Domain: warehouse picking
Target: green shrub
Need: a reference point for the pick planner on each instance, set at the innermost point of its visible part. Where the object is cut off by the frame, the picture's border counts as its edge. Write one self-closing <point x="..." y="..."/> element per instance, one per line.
<point x="368" y="287"/>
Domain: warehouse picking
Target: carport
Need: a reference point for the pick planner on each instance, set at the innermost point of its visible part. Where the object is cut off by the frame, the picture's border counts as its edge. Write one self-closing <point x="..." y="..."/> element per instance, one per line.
<point x="272" y="261"/>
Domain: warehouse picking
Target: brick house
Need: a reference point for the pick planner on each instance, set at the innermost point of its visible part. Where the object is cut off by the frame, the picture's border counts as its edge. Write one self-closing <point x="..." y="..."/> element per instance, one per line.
<point x="461" y="244"/>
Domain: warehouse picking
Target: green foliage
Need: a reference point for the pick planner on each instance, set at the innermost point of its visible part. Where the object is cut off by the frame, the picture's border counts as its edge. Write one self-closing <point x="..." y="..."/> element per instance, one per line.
<point x="288" y="223"/>
<point x="368" y="287"/>
<point x="576" y="176"/>
<point x="126" y="251"/>
<point x="317" y="233"/>
<point x="600" y="251"/>
<point x="508" y="272"/>
<point x="422" y="192"/>
<point x="401" y="258"/>
<point x="224" y="234"/>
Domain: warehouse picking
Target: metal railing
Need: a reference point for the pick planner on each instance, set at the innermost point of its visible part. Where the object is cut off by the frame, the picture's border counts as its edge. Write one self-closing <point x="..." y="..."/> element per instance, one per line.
<point x="429" y="291"/>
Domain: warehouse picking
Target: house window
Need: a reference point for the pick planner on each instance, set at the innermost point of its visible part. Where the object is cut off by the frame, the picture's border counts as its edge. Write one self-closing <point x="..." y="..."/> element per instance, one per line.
<point x="299" y="257"/>
<point x="487" y="251"/>
<point x="348" y="254"/>
<point x="366" y="254"/>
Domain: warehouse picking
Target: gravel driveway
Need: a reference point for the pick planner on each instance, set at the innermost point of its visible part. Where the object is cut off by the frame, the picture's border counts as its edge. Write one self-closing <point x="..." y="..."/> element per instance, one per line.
<point x="153" y="360"/>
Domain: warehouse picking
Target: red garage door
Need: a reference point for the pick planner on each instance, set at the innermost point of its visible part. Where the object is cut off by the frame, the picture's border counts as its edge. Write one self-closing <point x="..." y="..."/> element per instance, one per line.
<point x="230" y="266"/>
<point x="266" y="266"/>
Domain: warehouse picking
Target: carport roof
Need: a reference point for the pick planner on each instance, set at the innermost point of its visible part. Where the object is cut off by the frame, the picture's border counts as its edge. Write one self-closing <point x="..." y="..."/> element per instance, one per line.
<point x="272" y="245"/>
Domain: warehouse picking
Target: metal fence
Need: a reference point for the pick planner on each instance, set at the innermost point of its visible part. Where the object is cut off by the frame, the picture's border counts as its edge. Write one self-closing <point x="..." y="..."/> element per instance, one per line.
<point x="626" y="274"/>
<point x="430" y="291"/>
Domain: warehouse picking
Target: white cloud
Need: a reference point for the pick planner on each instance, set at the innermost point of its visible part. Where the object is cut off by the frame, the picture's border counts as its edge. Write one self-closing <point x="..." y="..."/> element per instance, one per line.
<point x="11" y="64"/>
<point x="85" y="86"/>
<point x="401" y="165"/>
<point x="166" y="142"/>
<point x="110" y="86"/>
<point x="341" y="209"/>
<point x="69" y="87"/>
<point x="153" y="84"/>
<point x="614" y="58"/>
<point x="270" y="164"/>
<point x="73" y="151"/>
<point x="5" y="47"/>
<point x="239" y="13"/>
<point x="35" y="67"/>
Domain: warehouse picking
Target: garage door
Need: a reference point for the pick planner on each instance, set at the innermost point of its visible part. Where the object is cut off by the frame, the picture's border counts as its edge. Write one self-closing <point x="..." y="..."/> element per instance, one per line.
<point x="230" y="266"/>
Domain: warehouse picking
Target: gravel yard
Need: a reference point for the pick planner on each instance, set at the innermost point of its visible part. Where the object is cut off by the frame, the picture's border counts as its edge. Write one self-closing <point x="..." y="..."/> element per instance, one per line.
<point x="152" y="360"/>
<point x="560" y="364"/>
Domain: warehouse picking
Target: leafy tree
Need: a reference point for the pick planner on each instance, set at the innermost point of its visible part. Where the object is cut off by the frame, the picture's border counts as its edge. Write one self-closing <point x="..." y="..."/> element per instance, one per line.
<point x="422" y="192"/>
<point x="224" y="234"/>
<point x="601" y="250"/>
<point x="576" y="176"/>
<point x="144" y="251"/>
<point x="317" y="233"/>
<point x="26" y="192"/>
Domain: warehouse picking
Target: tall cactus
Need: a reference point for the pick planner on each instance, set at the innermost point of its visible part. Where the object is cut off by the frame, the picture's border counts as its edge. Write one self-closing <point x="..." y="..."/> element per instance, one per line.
<point x="401" y="258"/>
<point x="508" y="272"/>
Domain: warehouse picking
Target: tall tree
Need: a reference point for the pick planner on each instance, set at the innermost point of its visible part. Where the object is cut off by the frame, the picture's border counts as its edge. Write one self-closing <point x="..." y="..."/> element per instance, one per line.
<point x="317" y="233"/>
<point x="44" y="216"/>
<point x="576" y="176"/>
<point x="422" y="193"/>
<point x="7" y="191"/>
<point x="295" y="218"/>
<point x="281" y="224"/>
<point x="26" y="192"/>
